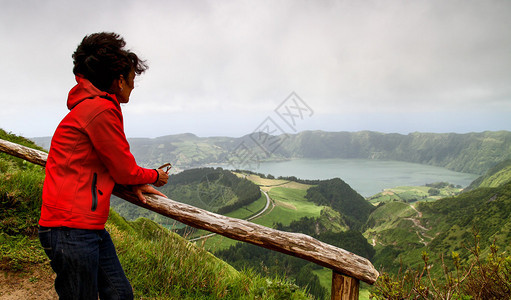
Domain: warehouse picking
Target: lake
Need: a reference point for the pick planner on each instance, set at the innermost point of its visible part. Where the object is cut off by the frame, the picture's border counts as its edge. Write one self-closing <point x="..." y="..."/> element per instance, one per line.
<point x="367" y="177"/>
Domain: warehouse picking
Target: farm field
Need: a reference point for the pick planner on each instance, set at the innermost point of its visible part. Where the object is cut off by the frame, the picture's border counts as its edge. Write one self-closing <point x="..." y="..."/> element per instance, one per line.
<point x="288" y="204"/>
<point x="409" y="194"/>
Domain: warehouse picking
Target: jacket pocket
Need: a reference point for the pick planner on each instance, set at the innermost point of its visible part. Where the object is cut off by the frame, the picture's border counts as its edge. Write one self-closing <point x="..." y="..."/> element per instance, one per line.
<point x="94" y="191"/>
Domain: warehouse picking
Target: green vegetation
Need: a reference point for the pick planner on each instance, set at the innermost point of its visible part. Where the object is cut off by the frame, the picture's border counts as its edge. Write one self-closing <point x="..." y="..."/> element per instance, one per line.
<point x="479" y="278"/>
<point x="496" y="176"/>
<point x="400" y="232"/>
<point x="20" y="204"/>
<point x="295" y="212"/>
<point x="182" y="150"/>
<point x="410" y="194"/>
<point x="161" y="264"/>
<point x="216" y="190"/>
<point x="424" y="248"/>
<point x="486" y="209"/>
<point x="271" y="263"/>
<point x="290" y="205"/>
<point x="390" y="223"/>
<point x="342" y="198"/>
<point x="249" y="210"/>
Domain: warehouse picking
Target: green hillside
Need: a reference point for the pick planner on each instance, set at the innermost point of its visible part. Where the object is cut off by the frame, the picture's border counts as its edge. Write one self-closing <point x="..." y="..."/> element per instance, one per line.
<point x="159" y="263"/>
<point x="338" y="195"/>
<point x="400" y="231"/>
<point x="457" y="245"/>
<point x="496" y="176"/>
<point x="410" y="194"/>
<point x="212" y="189"/>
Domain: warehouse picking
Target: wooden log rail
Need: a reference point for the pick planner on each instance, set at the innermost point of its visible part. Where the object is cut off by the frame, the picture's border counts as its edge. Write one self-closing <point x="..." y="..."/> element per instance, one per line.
<point x="348" y="268"/>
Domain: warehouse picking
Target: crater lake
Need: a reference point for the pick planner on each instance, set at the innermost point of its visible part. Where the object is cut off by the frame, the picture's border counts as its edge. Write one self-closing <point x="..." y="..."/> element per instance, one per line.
<point x="366" y="176"/>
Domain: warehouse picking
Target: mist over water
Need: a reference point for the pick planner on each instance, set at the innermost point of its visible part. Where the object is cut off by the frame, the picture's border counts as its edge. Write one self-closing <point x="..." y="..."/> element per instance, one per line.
<point x="367" y="177"/>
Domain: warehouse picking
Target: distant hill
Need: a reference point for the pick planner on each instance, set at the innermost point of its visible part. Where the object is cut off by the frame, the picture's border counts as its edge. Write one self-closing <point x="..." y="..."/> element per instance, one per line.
<point x="468" y="152"/>
<point x="401" y="231"/>
<point x="496" y="176"/>
<point x="338" y="195"/>
<point x="213" y="189"/>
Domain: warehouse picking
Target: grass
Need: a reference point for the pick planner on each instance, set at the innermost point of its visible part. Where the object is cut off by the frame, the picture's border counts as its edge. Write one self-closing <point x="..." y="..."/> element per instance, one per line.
<point x="20" y="202"/>
<point x="219" y="242"/>
<point x="19" y="251"/>
<point x="325" y="278"/>
<point x="267" y="184"/>
<point x="161" y="264"/>
<point x="290" y="205"/>
<point x="385" y="216"/>
<point x="249" y="210"/>
<point x="413" y="194"/>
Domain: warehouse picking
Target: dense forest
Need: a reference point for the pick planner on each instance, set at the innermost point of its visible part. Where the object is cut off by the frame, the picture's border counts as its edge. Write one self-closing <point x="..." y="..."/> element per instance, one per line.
<point x="342" y="198"/>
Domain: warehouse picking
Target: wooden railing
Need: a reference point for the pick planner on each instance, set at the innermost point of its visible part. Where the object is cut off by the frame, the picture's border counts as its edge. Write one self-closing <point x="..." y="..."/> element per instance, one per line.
<point x="347" y="268"/>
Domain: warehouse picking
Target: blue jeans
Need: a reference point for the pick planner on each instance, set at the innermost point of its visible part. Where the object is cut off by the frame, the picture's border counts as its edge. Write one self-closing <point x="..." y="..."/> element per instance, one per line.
<point x="86" y="264"/>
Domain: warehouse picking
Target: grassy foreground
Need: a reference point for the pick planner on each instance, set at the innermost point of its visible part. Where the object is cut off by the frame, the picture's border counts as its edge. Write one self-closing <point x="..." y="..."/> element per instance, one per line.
<point x="161" y="264"/>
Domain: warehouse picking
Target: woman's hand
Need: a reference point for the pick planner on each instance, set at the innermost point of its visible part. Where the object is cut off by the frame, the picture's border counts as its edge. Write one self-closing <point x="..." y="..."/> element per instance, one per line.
<point x="163" y="177"/>
<point x="146" y="189"/>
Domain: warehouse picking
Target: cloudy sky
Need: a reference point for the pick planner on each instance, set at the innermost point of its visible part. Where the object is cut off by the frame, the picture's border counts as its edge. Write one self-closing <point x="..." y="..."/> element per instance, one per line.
<point x="227" y="68"/>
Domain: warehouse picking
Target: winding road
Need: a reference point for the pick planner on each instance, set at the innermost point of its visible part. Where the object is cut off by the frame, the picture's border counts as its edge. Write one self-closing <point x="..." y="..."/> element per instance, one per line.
<point x="268" y="202"/>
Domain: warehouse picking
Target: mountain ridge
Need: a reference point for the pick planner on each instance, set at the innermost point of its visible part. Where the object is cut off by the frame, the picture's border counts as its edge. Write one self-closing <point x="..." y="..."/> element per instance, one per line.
<point x="474" y="152"/>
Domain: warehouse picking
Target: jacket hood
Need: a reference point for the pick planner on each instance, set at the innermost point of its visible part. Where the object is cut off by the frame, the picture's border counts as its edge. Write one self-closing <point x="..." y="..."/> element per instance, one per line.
<point x="83" y="90"/>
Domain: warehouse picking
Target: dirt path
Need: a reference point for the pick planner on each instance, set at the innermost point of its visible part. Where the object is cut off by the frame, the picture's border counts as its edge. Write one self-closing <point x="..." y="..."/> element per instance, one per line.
<point x="418" y="212"/>
<point x="34" y="283"/>
<point x="416" y="222"/>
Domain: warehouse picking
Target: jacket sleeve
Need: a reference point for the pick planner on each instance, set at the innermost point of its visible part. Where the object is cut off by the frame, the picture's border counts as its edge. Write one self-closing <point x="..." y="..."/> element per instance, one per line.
<point x="107" y="136"/>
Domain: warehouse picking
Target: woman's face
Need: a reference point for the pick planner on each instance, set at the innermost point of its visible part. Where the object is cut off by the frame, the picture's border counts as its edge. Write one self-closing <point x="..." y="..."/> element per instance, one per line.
<point x="126" y="85"/>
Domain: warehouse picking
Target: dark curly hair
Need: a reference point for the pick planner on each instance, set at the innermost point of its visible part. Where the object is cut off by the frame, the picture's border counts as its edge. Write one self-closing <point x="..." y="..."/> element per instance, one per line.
<point x="101" y="59"/>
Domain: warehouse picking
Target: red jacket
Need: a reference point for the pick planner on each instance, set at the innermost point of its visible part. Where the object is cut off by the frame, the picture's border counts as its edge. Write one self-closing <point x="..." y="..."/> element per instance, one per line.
<point x="89" y="153"/>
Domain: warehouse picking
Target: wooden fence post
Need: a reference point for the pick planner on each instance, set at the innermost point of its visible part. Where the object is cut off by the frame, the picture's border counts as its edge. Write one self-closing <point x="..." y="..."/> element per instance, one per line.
<point x="344" y="287"/>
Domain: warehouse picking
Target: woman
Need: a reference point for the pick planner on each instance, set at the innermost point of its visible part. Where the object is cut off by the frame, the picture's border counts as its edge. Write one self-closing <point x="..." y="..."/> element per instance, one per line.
<point x="89" y="154"/>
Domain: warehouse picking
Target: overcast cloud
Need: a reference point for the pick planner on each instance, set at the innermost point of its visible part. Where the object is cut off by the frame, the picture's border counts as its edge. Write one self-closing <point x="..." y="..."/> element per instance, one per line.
<point x="223" y="67"/>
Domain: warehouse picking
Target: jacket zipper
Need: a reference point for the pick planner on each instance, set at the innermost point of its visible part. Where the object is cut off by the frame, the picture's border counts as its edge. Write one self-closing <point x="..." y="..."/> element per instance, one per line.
<point x="94" y="192"/>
